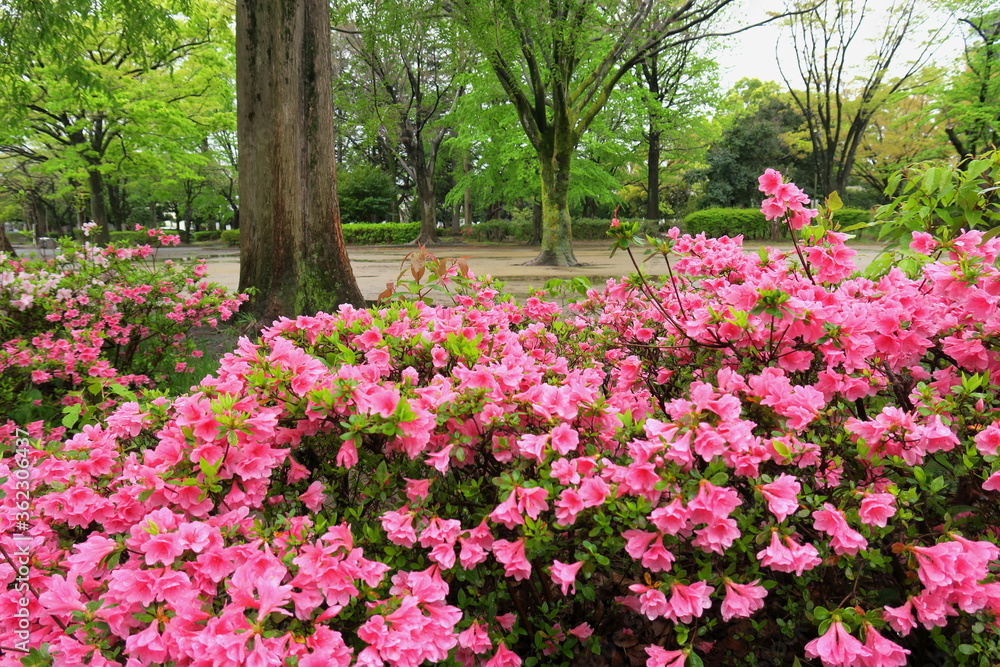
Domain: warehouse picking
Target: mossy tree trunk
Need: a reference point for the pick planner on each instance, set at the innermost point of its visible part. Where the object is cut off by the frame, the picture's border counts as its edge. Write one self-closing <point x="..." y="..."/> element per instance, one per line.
<point x="557" y="234"/>
<point x="292" y="248"/>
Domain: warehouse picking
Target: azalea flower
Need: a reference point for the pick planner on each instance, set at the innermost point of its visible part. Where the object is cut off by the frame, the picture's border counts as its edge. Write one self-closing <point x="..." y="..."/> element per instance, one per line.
<point x="837" y="647"/>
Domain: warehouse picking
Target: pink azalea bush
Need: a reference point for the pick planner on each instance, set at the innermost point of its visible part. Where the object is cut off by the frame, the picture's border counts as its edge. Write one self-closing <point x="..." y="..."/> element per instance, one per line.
<point x="747" y="462"/>
<point x="92" y="321"/>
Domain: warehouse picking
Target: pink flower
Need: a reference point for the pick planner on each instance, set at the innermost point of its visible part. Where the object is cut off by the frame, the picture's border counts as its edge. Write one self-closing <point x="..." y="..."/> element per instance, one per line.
<point x="789" y="557"/>
<point x="742" y="600"/>
<point x="770" y="182"/>
<point x="475" y="545"/>
<point x="504" y="657"/>
<point x="844" y="539"/>
<point x="652" y="602"/>
<point x="582" y="631"/>
<point x="988" y="440"/>
<point x="163" y="548"/>
<point x="506" y="621"/>
<point x="877" y="508"/>
<point x="417" y="489"/>
<point x="565" y="439"/>
<point x="923" y="243"/>
<point x="565" y="575"/>
<point x="475" y="638"/>
<point x="884" y="652"/>
<point x="837" y="647"/>
<point x="313" y="497"/>
<point x="688" y="602"/>
<point x="511" y="556"/>
<point x="782" y="496"/>
<point x="900" y="618"/>
<point x="398" y="526"/>
<point x="772" y="208"/>
<point x="660" y="657"/>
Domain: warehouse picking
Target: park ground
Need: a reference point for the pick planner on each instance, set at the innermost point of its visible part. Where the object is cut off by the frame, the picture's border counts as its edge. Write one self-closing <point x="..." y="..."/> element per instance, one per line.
<point x="375" y="266"/>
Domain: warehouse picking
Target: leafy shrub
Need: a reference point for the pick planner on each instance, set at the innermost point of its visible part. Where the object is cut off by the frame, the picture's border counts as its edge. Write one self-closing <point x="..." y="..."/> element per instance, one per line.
<point x="92" y="324"/>
<point x="231" y="237"/>
<point x="584" y="229"/>
<point x="750" y="223"/>
<point x="751" y="462"/>
<point x="366" y="194"/>
<point x="358" y="234"/>
<point x="133" y="238"/>
<point x="719" y="222"/>
<point x="208" y="235"/>
<point x="381" y="233"/>
<point x="498" y="231"/>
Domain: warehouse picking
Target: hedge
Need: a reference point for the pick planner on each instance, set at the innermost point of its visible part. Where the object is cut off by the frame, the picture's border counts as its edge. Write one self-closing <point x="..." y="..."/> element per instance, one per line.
<point x="208" y="235"/>
<point x="380" y="233"/>
<point x="750" y="222"/>
<point x="231" y="237"/>
<point x="584" y="229"/>
<point x="716" y="222"/>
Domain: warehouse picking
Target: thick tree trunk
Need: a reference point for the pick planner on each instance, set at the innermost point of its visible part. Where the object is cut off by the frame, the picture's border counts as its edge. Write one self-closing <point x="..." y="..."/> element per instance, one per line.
<point x="536" y="223"/>
<point x="468" y="192"/>
<point x="557" y="237"/>
<point x="428" y="207"/>
<point x="291" y="244"/>
<point x="98" y="210"/>
<point x="5" y="245"/>
<point x="653" y="177"/>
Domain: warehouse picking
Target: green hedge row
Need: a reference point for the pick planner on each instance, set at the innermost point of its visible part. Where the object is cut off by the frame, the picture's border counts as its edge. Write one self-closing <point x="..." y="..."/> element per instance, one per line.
<point x="584" y="229"/>
<point x="717" y="222"/>
<point x="208" y="235"/>
<point x="133" y="238"/>
<point x="750" y="222"/>
<point x="386" y="233"/>
<point x="357" y="234"/>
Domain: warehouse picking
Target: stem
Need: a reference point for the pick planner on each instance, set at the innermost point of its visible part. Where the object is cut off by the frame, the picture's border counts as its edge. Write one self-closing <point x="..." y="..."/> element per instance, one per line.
<point x="31" y="588"/>
<point x="805" y="264"/>
<point x="673" y="283"/>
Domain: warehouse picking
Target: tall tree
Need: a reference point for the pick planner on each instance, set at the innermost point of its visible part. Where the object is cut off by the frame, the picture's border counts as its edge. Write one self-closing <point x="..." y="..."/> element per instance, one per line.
<point x="292" y="248"/>
<point x="678" y="82"/>
<point x="70" y="101"/>
<point x="558" y="62"/>
<point x="908" y="132"/>
<point x="971" y="102"/>
<point x="753" y="142"/>
<point x="409" y="82"/>
<point x="838" y="99"/>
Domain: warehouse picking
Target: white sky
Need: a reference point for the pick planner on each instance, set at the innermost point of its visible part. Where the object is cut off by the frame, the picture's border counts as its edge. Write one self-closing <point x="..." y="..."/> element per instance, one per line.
<point x="751" y="54"/>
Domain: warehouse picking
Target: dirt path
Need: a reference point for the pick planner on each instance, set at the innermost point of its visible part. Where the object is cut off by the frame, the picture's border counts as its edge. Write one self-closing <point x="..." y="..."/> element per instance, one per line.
<point x="374" y="266"/>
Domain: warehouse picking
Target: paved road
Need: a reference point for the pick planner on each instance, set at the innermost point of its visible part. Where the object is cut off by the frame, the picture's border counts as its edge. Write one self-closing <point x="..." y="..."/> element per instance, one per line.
<point x="374" y="266"/>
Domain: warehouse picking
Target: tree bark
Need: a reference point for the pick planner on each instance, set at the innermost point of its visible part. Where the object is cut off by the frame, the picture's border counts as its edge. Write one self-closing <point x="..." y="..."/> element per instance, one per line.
<point x="536" y="223"/>
<point x="5" y="244"/>
<point x="98" y="209"/>
<point x="468" y="192"/>
<point x="557" y="236"/>
<point x="292" y="249"/>
<point x="428" y="203"/>
<point x="653" y="175"/>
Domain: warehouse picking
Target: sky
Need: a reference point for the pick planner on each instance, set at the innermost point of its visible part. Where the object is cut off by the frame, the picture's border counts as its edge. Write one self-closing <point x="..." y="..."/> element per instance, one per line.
<point x="752" y="54"/>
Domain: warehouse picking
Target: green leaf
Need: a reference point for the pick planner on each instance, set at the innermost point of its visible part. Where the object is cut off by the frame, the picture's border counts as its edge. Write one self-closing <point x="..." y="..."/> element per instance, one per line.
<point x="71" y="414"/>
<point x="833" y="202"/>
